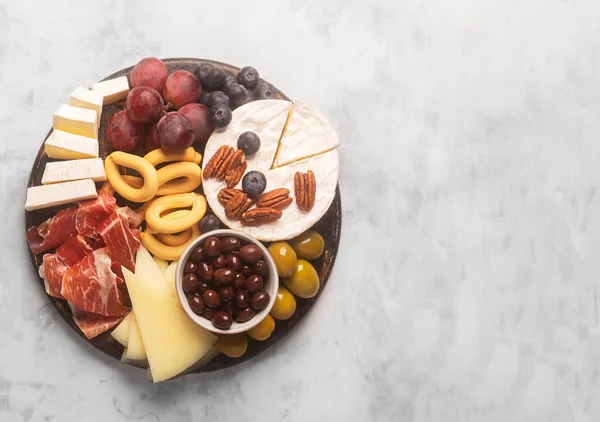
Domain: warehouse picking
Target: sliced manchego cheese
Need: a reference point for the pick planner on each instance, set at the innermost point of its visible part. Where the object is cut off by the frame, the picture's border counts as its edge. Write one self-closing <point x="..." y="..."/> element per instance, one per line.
<point x="112" y="90"/>
<point x="76" y="120"/>
<point x="135" y="345"/>
<point x="121" y="333"/>
<point x="68" y="146"/>
<point x="147" y="270"/>
<point x="64" y="171"/>
<point x="161" y="264"/>
<point x="46" y="196"/>
<point x="86" y="98"/>
<point x="173" y="342"/>
<point x="138" y="363"/>
<point x="170" y="274"/>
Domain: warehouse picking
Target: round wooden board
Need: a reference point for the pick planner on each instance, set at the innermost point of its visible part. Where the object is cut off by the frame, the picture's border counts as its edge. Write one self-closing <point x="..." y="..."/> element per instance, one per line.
<point x="329" y="226"/>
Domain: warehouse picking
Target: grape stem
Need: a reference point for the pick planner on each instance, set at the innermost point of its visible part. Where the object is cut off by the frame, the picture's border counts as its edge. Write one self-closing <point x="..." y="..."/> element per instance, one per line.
<point x="169" y="107"/>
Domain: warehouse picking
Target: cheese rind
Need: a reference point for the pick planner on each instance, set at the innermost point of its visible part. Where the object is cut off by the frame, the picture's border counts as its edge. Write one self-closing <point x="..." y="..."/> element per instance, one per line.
<point x="86" y="98"/>
<point x="67" y="146"/>
<point x="64" y="171"/>
<point x="46" y="196"/>
<point x="173" y="342"/>
<point x="121" y="333"/>
<point x="135" y="345"/>
<point x="76" y="120"/>
<point x="112" y="90"/>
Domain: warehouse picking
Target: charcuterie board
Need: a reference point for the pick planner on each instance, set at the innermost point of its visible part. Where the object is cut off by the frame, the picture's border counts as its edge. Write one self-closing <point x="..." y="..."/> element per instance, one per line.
<point x="329" y="226"/>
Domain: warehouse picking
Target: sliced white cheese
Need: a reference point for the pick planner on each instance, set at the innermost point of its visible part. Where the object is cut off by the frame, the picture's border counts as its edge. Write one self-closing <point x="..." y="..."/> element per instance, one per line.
<point x="161" y="264"/>
<point x="135" y="345"/>
<point x="173" y="342"/>
<point x="170" y="274"/>
<point x="147" y="270"/>
<point x="121" y="333"/>
<point x="112" y="90"/>
<point x="45" y="196"/>
<point x="86" y="98"/>
<point x="76" y="120"/>
<point x="139" y="363"/>
<point x="68" y="146"/>
<point x="64" y="171"/>
<point x="307" y="133"/>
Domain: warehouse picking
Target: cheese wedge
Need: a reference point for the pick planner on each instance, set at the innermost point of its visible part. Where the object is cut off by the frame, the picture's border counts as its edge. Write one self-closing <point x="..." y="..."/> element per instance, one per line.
<point x="161" y="264"/>
<point x="173" y="342"/>
<point x="85" y="98"/>
<point x="169" y="275"/>
<point x="139" y="363"/>
<point x="64" y="171"/>
<point x="112" y="90"/>
<point x="46" y="196"/>
<point x="121" y="333"/>
<point x="147" y="270"/>
<point x="76" y="120"/>
<point x="135" y="346"/>
<point x="67" y="146"/>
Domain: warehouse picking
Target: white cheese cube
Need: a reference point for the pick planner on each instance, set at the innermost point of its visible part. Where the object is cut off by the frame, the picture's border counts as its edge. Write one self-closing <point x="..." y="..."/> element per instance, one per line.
<point x="64" y="171"/>
<point x="67" y="146"/>
<point x="76" y="120"/>
<point x="85" y="98"/>
<point x="46" y="196"/>
<point x="112" y="90"/>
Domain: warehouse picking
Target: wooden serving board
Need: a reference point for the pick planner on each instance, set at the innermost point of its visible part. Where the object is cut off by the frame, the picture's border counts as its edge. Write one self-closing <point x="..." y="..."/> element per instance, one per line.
<point x="329" y="226"/>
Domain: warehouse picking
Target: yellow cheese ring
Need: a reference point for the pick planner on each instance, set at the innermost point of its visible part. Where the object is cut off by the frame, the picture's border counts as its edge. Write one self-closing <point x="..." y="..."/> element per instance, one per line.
<point x="169" y="253"/>
<point x="159" y="156"/>
<point x="174" y="178"/>
<point x="158" y="224"/>
<point x="175" y="239"/>
<point x="146" y="170"/>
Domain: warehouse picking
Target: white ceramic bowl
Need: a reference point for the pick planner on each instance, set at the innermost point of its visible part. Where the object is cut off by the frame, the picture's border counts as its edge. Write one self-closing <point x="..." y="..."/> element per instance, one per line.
<point x="270" y="285"/>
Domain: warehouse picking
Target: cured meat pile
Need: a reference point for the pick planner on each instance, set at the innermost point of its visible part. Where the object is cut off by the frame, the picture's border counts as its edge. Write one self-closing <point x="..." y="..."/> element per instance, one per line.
<point x="91" y="241"/>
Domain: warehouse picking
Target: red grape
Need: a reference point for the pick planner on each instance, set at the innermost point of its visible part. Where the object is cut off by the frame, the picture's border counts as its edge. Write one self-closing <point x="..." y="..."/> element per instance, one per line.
<point x="182" y="88"/>
<point x="150" y="142"/>
<point x="144" y="105"/>
<point x="174" y="132"/>
<point x="197" y="114"/>
<point x="122" y="132"/>
<point x="150" y="72"/>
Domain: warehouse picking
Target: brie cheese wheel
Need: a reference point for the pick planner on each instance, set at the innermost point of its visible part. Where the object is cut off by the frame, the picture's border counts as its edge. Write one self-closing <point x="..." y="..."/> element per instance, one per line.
<point x="307" y="133"/>
<point x="64" y="171"/>
<point x="322" y="159"/>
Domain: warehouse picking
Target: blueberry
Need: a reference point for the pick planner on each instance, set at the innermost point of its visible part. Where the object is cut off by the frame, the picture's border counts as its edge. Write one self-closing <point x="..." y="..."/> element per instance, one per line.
<point x="237" y="94"/>
<point x="248" y="77"/>
<point x="219" y="115"/>
<point x="229" y="79"/>
<point x="204" y="97"/>
<point x="265" y="91"/>
<point x="217" y="97"/>
<point x="202" y="70"/>
<point x="245" y="99"/>
<point x="249" y="142"/>
<point x="209" y="223"/>
<point x="254" y="183"/>
<point x="214" y="79"/>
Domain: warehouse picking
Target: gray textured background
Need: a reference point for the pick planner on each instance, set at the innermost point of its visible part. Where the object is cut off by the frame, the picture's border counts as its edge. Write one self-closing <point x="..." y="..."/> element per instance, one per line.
<point x="466" y="284"/>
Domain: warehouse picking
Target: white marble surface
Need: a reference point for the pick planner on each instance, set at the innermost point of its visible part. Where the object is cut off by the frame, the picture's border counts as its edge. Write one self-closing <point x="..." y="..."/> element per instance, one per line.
<point x="466" y="286"/>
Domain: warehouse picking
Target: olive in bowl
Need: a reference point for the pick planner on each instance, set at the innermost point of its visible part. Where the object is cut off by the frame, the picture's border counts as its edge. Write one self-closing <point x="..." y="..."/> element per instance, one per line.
<point x="236" y="281"/>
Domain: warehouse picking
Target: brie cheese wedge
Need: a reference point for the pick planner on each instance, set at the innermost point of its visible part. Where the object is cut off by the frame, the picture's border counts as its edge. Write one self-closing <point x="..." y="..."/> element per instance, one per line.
<point x="85" y="98"/>
<point x="67" y="146"/>
<point x="112" y="90"/>
<point x="76" y="120"/>
<point x="64" y="171"/>
<point x="307" y="133"/>
<point x="46" y="196"/>
<point x="320" y="157"/>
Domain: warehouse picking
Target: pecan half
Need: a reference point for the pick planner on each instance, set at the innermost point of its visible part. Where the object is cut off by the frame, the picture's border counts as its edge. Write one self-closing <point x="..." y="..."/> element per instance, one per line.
<point x="217" y="161"/>
<point x="226" y="194"/>
<point x="236" y="168"/>
<point x="277" y="198"/>
<point x="222" y="169"/>
<point x="238" y="205"/>
<point x="305" y="189"/>
<point x="260" y="216"/>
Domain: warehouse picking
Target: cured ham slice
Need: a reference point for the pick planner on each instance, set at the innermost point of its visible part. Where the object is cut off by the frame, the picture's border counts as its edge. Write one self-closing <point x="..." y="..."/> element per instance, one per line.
<point x="121" y="241"/>
<point x="81" y="218"/>
<point x="93" y="325"/>
<point x="93" y="287"/>
<point x="52" y="271"/>
<point x="74" y="249"/>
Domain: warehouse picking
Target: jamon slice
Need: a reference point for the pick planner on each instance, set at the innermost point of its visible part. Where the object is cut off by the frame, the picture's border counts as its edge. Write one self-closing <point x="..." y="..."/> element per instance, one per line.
<point x="93" y="325"/>
<point x="74" y="249"/>
<point x="122" y="242"/>
<point x="81" y="218"/>
<point x="93" y="287"/>
<point x="52" y="271"/>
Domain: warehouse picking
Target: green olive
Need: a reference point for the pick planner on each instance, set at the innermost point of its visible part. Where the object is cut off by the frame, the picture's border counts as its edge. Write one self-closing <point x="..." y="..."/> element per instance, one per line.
<point x="285" y="258"/>
<point x="233" y="345"/>
<point x="309" y="245"/>
<point x="263" y="329"/>
<point x="285" y="304"/>
<point x="305" y="281"/>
